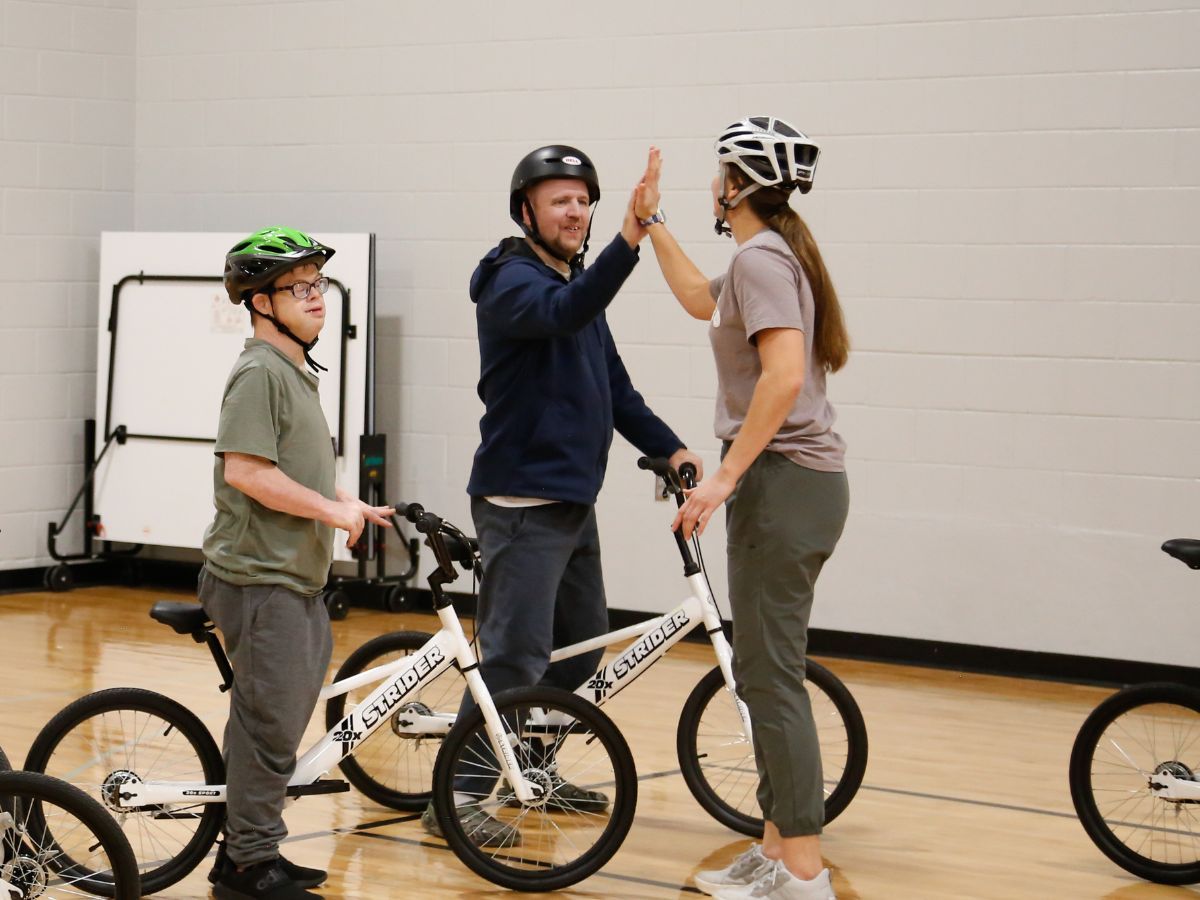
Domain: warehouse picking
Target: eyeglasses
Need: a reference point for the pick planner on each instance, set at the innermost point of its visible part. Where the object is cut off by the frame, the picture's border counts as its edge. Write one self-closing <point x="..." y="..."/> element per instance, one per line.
<point x="301" y="289"/>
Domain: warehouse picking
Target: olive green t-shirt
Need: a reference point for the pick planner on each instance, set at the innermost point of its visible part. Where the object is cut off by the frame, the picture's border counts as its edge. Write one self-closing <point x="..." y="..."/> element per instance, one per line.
<point x="271" y="409"/>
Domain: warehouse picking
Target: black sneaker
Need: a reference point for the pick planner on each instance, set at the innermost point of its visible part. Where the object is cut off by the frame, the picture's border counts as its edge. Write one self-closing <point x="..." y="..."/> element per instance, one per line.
<point x="302" y="875"/>
<point x="264" y="881"/>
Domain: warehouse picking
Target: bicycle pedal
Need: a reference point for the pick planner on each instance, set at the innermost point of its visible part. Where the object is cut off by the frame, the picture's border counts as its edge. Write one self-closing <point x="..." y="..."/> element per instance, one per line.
<point x="325" y="786"/>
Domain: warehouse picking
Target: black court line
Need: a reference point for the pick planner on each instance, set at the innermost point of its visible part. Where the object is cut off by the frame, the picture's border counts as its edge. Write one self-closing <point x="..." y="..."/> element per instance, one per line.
<point x="991" y="804"/>
<point x="923" y="795"/>
<point x="629" y="879"/>
<point x="366" y="829"/>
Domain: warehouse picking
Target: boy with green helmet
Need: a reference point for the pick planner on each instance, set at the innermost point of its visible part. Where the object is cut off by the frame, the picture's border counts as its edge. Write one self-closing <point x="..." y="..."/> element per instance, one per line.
<point x="268" y="551"/>
<point x="257" y="260"/>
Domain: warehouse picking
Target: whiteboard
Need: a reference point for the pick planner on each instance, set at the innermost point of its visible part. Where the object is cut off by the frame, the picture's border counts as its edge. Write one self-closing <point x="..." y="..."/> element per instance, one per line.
<point x="163" y="360"/>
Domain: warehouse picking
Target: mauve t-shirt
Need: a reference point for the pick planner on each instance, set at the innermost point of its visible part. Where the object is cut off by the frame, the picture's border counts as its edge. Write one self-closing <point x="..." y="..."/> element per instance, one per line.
<point x="765" y="287"/>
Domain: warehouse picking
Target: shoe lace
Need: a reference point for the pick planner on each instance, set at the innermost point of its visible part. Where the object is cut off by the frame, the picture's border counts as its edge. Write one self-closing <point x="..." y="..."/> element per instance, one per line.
<point x="768" y="880"/>
<point x="747" y="863"/>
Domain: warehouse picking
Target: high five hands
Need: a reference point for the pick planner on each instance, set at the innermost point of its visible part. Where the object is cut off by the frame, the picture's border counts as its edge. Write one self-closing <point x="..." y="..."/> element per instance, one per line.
<point x="643" y="202"/>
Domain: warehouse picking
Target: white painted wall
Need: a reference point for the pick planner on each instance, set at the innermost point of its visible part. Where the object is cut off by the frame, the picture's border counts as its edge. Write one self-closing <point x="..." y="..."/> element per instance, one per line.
<point x="66" y="173"/>
<point x="1007" y="199"/>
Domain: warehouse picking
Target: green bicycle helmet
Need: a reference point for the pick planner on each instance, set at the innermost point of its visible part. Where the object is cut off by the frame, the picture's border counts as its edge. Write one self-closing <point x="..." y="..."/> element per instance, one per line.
<point x="259" y="259"/>
<point x="256" y="261"/>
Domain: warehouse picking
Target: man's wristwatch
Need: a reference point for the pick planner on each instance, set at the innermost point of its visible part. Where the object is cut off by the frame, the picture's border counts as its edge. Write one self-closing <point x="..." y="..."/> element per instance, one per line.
<point x="659" y="216"/>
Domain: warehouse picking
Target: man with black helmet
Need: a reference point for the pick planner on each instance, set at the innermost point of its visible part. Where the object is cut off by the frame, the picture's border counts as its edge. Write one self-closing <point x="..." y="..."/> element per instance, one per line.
<point x="554" y="388"/>
<point x="268" y="551"/>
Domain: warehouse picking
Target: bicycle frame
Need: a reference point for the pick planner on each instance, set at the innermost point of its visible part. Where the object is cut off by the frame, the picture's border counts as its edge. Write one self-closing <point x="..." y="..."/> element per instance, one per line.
<point x="1166" y="786"/>
<point x="655" y="638"/>
<point x="399" y="679"/>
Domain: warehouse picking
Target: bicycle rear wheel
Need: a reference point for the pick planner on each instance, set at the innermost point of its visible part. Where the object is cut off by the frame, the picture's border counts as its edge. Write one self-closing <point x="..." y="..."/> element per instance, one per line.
<point x="561" y="742"/>
<point x="1133" y="735"/>
<point x="717" y="759"/>
<point x="394" y="767"/>
<point x="128" y="735"/>
<point x="57" y="842"/>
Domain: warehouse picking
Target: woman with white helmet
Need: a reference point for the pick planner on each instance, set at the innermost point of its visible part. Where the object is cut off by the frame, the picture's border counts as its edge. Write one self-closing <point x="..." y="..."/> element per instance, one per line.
<point x="776" y="329"/>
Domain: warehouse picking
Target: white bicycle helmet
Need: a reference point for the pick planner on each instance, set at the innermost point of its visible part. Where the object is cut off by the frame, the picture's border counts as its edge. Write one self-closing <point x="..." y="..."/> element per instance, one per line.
<point x="770" y="151"/>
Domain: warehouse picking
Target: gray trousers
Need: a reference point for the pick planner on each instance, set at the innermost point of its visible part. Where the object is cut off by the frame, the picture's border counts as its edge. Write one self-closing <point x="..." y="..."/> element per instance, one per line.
<point x="783" y="521"/>
<point x="542" y="588"/>
<point x="279" y="643"/>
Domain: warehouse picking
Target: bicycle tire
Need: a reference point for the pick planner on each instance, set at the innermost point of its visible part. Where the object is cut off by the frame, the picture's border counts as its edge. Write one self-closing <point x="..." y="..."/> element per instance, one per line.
<point x="114" y="736"/>
<point x="1130" y="735"/>
<point x="392" y="769"/>
<point x="597" y="752"/>
<point x="725" y="785"/>
<point x="58" y="842"/>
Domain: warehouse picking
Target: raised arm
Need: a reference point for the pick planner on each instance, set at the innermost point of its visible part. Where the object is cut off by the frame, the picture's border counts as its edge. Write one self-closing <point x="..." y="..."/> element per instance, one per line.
<point x="687" y="283"/>
<point x="522" y="304"/>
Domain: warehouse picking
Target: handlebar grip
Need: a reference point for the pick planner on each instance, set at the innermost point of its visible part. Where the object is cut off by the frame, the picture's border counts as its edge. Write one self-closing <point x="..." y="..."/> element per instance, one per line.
<point x="410" y="511"/>
<point x="687" y="474"/>
<point x="425" y="522"/>
<point x="656" y="464"/>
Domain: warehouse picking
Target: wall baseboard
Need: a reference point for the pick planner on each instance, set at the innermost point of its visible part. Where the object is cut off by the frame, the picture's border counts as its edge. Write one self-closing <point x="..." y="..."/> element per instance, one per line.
<point x="179" y="575"/>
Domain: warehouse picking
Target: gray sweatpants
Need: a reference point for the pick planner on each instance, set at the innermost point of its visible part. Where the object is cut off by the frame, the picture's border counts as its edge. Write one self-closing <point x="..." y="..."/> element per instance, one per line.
<point x="279" y="643"/>
<point x="783" y="522"/>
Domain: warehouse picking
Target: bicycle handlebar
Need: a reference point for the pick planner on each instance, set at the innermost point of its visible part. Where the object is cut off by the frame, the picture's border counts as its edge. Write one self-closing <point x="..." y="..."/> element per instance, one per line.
<point x="684" y="478"/>
<point x="676" y="483"/>
<point x="448" y="543"/>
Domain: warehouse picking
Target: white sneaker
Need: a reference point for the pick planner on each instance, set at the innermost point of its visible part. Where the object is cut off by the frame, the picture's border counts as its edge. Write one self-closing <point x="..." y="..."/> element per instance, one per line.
<point x="777" y="883"/>
<point x="742" y="872"/>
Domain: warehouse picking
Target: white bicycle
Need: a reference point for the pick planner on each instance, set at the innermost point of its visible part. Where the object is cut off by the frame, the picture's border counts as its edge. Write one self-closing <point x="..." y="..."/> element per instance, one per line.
<point x="1135" y="772"/>
<point x="713" y="745"/>
<point x="157" y="769"/>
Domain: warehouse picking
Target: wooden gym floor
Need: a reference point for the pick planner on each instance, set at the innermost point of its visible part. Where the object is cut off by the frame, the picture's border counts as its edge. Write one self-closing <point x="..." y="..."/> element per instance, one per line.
<point x="965" y="794"/>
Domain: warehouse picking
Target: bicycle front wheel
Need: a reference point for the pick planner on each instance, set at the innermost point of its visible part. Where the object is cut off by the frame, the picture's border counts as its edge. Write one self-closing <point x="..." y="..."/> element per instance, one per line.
<point x="57" y="842"/>
<point x="394" y="766"/>
<point x="588" y="791"/>
<point x="717" y="759"/>
<point x="1136" y="733"/>
<point x="128" y="735"/>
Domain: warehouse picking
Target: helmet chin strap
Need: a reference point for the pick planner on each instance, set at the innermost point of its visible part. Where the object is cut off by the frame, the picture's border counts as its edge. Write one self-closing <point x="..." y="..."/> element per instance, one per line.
<point x="287" y="332"/>
<point x="575" y="263"/>
<point x="722" y="227"/>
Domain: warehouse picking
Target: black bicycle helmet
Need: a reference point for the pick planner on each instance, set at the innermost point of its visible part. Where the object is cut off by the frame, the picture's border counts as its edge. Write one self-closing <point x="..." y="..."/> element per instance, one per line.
<point x="551" y="161"/>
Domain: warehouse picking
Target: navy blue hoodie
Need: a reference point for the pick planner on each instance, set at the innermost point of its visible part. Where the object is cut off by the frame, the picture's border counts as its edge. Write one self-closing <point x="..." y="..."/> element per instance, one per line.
<point x="550" y="377"/>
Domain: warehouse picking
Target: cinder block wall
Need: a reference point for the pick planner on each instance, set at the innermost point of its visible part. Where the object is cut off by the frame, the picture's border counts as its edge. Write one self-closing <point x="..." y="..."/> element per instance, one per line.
<point x="66" y="173"/>
<point x="1007" y="199"/>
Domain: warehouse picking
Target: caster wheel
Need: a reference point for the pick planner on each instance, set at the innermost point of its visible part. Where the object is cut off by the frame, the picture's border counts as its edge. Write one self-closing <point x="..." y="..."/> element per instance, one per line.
<point x="338" y="604"/>
<point x="59" y="578"/>
<point x="397" y="599"/>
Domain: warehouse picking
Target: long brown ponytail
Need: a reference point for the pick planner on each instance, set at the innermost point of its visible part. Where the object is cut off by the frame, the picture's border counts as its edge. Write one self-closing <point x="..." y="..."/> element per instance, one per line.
<point x="831" y="341"/>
